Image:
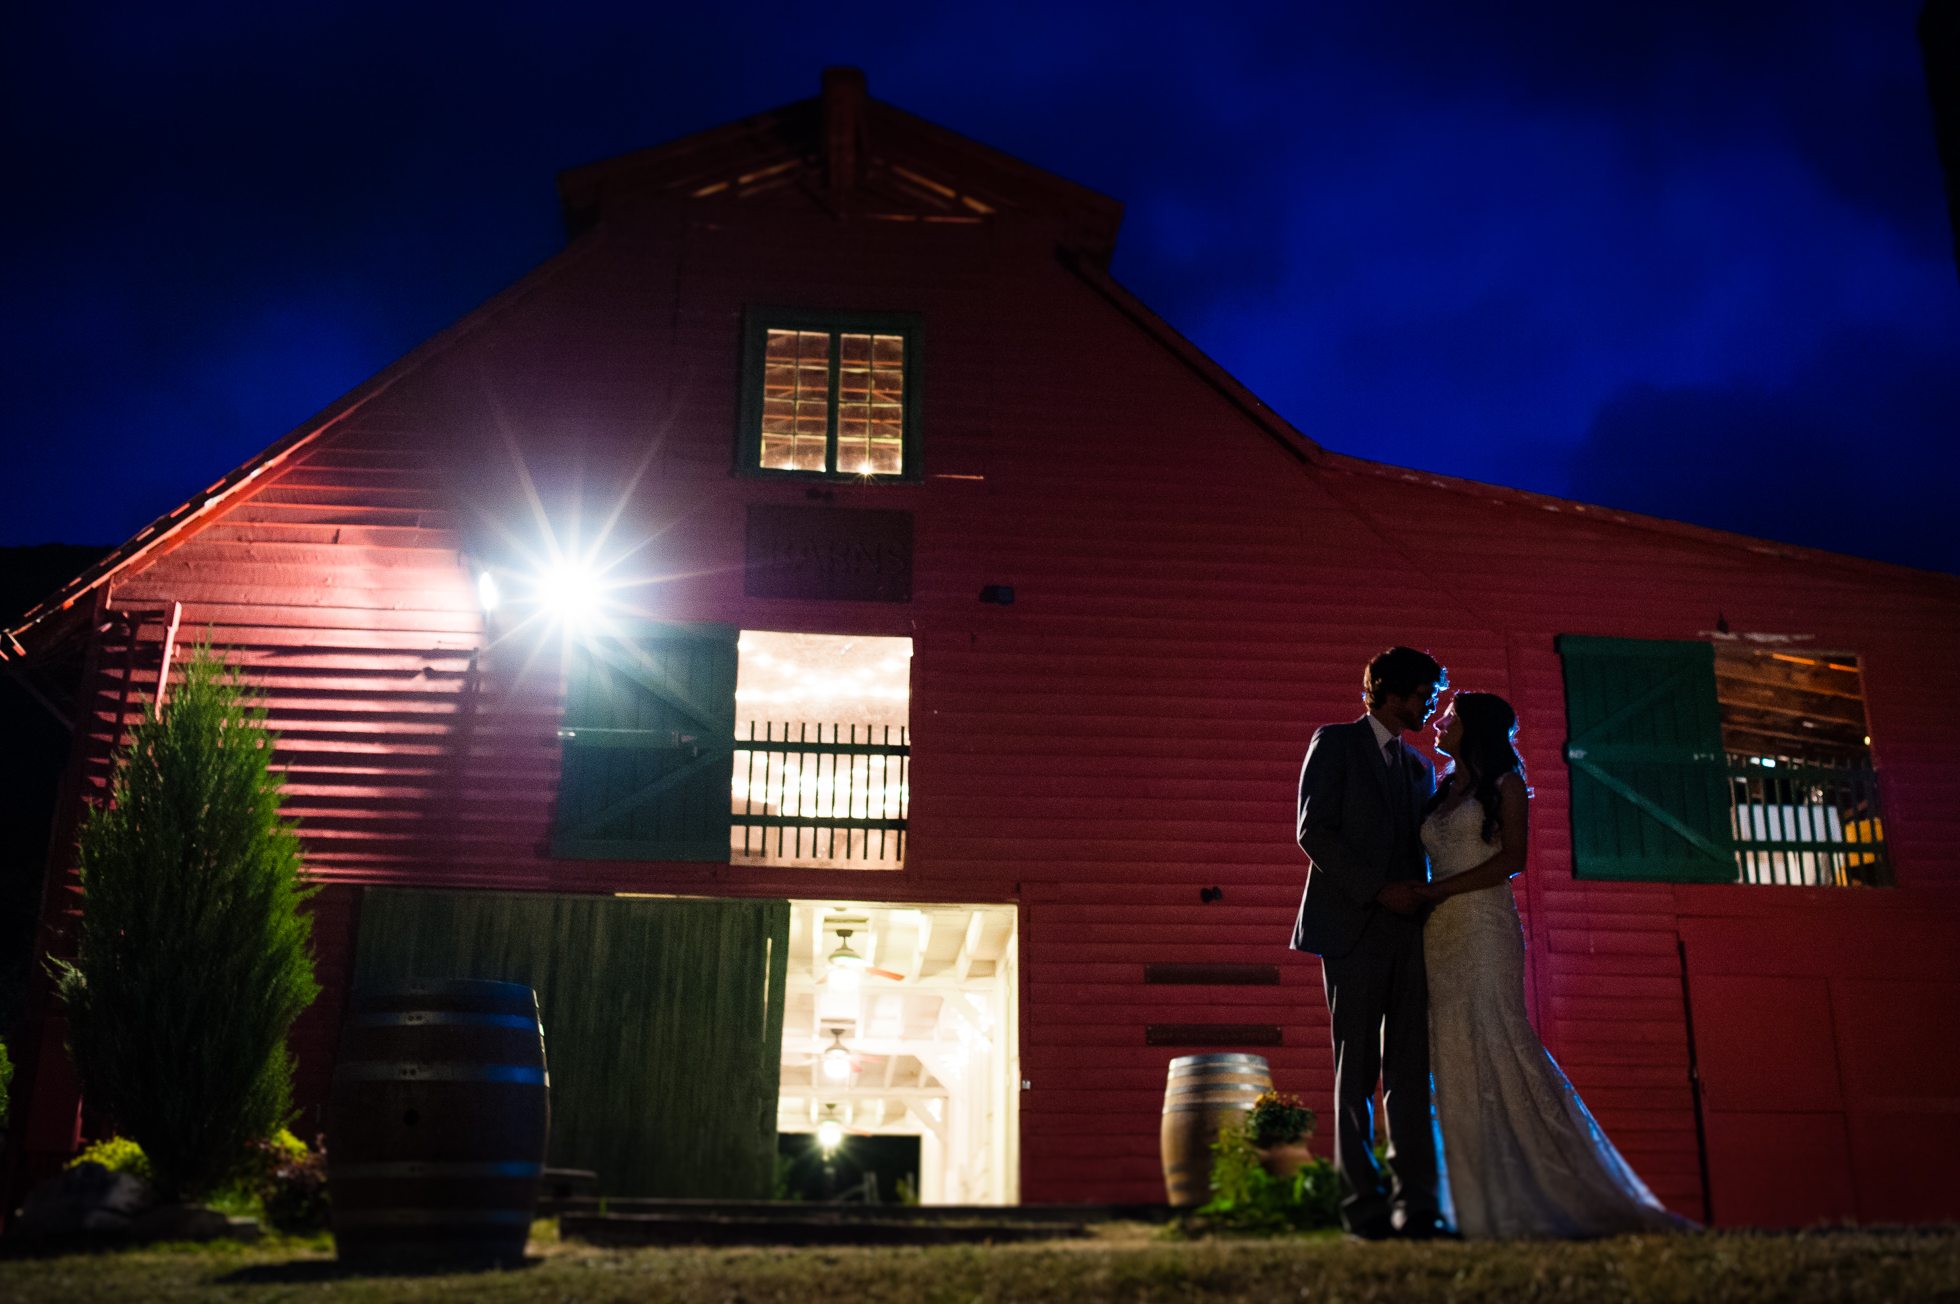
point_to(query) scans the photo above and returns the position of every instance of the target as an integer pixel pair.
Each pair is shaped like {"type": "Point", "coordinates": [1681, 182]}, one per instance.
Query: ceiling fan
{"type": "Point", "coordinates": [837, 1059]}
{"type": "Point", "coordinates": [845, 958]}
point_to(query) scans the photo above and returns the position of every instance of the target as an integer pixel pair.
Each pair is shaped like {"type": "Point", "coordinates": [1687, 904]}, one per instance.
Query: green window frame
{"type": "Point", "coordinates": [825, 409]}
{"type": "Point", "coordinates": [1650, 781]}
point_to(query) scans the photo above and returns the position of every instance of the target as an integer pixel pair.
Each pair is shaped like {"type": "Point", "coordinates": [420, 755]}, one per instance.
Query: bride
{"type": "Point", "coordinates": [1522, 1155]}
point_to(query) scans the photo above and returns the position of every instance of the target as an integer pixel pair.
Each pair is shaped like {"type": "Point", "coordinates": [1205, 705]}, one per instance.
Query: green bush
{"type": "Point", "coordinates": [291, 1184]}
{"type": "Point", "coordinates": [194, 958]}
{"type": "Point", "coordinates": [1246, 1198]}
{"type": "Point", "coordinates": [118, 1155]}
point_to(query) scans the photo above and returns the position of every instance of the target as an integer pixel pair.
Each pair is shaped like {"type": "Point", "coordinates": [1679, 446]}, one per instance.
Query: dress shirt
{"type": "Point", "coordinates": [1383, 738]}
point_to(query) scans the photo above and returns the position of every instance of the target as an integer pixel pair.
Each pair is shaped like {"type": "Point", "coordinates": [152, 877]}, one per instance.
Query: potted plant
{"type": "Point", "coordinates": [1278, 1128]}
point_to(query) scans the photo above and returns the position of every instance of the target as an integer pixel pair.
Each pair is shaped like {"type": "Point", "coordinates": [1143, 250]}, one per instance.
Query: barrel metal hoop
{"type": "Point", "coordinates": [412, 1071]}
{"type": "Point", "coordinates": [432, 1168]}
{"type": "Point", "coordinates": [420, 1018]}
{"type": "Point", "coordinates": [429, 1217]}
{"type": "Point", "coordinates": [482, 987]}
{"type": "Point", "coordinates": [1214, 1084]}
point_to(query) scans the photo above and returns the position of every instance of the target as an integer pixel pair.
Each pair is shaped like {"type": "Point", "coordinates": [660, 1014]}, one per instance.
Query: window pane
{"type": "Point", "coordinates": [796, 400]}
{"type": "Point", "coordinates": [870, 389]}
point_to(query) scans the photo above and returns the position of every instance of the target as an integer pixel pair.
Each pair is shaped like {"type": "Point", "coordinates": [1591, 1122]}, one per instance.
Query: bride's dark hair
{"type": "Point", "coordinates": [1489, 728]}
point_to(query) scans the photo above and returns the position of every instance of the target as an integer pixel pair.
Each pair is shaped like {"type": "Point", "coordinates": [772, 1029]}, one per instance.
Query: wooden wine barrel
{"type": "Point", "coordinates": [436, 1131]}
{"type": "Point", "coordinates": [1202, 1093]}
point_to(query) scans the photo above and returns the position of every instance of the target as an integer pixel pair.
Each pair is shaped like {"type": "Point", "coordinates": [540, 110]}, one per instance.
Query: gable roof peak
{"type": "Point", "coordinates": [845, 153]}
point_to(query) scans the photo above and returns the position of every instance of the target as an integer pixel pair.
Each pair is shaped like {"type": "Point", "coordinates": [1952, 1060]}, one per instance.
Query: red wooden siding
{"type": "Point", "coordinates": [1194, 595]}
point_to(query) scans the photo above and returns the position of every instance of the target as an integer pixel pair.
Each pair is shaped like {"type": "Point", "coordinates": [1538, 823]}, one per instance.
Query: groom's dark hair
{"type": "Point", "coordinates": [1399, 672]}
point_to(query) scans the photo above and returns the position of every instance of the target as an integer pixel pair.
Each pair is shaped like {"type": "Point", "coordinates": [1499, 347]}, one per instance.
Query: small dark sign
{"type": "Point", "coordinates": [837, 553]}
{"type": "Point", "coordinates": [1211, 1034]}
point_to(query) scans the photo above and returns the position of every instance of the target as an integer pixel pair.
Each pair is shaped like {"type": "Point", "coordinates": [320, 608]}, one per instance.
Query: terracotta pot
{"type": "Point", "coordinates": [1284, 1160]}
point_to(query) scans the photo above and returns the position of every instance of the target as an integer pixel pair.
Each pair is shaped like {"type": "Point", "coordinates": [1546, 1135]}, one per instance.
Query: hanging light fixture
{"type": "Point", "coordinates": [837, 1058]}
{"type": "Point", "coordinates": [830, 1132]}
{"type": "Point", "coordinates": [844, 957]}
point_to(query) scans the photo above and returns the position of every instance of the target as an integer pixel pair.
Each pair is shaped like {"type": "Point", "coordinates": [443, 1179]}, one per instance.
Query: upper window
{"type": "Point", "coordinates": [1691, 763]}
{"type": "Point", "coordinates": [661, 763]}
{"type": "Point", "coordinates": [830, 395]}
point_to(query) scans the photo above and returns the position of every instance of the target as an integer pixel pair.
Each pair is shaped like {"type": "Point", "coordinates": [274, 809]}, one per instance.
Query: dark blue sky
{"type": "Point", "coordinates": [1688, 259]}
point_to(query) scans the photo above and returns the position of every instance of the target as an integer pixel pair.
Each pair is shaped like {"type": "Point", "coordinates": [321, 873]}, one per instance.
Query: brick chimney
{"type": "Point", "coordinates": [843, 128]}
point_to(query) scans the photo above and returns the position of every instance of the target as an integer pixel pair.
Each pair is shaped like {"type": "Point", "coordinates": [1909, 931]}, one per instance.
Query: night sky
{"type": "Point", "coordinates": [1687, 259]}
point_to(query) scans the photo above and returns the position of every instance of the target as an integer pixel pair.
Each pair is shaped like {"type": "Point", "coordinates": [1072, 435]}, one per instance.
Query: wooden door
{"type": "Point", "coordinates": [663, 1021]}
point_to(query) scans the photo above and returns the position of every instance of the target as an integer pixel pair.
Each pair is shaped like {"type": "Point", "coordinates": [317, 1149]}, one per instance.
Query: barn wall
{"type": "Point", "coordinates": [340, 590]}
{"type": "Point", "coordinates": [1821, 1017]}
{"type": "Point", "coordinates": [1192, 600]}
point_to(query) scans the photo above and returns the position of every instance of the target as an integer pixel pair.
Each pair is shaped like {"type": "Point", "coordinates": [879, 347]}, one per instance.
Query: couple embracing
{"type": "Point", "coordinates": [1409, 906]}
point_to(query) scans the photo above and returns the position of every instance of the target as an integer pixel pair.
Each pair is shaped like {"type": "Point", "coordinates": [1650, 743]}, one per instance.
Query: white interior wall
{"type": "Point", "coordinates": [936, 1046]}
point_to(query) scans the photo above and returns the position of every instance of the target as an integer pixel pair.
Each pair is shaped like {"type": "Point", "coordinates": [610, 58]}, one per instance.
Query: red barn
{"type": "Point", "coordinates": [612, 634]}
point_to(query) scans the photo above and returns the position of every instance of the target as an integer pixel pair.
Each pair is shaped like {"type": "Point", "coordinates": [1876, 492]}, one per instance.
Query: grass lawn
{"type": "Point", "coordinates": [1124, 1263]}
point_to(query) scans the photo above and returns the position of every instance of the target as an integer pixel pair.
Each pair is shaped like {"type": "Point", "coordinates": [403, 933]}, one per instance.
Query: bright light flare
{"type": "Point", "coordinates": [570, 591]}
{"type": "Point", "coordinates": [486, 591]}
{"type": "Point", "coordinates": [829, 1134]}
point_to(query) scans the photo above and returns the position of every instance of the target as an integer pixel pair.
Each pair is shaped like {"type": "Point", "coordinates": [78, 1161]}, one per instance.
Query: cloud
{"type": "Point", "coordinates": [1857, 455]}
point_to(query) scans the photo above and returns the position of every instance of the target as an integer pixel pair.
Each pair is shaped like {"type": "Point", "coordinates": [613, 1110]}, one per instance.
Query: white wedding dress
{"type": "Point", "coordinates": [1522, 1157]}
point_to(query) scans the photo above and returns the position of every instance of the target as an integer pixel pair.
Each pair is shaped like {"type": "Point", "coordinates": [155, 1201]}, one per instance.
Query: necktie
{"type": "Point", "coordinates": [1398, 774]}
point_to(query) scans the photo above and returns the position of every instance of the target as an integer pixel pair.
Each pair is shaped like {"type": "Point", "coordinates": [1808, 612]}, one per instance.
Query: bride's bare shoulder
{"type": "Point", "coordinates": [1512, 781]}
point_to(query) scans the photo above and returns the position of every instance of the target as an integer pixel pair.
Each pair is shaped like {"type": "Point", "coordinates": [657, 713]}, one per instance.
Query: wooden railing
{"type": "Point", "coordinates": [1807, 825]}
{"type": "Point", "coordinates": [798, 787]}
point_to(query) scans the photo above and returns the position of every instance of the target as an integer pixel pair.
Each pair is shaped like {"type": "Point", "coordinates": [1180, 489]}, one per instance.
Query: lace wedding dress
{"type": "Point", "coordinates": [1522, 1155]}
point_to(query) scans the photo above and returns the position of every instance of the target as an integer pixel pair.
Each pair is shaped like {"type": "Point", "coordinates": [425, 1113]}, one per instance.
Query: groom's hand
{"type": "Point", "coordinates": [1402, 898]}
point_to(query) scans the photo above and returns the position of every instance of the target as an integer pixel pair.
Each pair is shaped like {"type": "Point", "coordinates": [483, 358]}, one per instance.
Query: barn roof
{"type": "Point", "coordinates": [844, 151]}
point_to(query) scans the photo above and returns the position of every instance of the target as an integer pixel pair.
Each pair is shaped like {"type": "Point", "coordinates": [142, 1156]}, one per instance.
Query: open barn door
{"type": "Point", "coordinates": [663, 1021]}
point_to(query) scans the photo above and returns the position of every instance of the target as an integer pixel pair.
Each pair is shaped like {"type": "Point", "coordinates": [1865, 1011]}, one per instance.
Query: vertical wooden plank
{"type": "Point", "coordinates": [663, 1021]}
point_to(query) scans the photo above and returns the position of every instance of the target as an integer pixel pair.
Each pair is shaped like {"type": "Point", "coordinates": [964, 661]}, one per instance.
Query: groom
{"type": "Point", "coordinates": [1361, 797]}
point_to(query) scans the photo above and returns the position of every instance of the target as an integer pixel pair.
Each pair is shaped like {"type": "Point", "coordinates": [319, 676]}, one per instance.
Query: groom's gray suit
{"type": "Point", "coordinates": [1358, 823]}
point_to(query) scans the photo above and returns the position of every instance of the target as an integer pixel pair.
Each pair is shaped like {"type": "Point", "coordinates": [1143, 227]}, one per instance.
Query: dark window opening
{"type": "Point", "coordinates": [1804, 796]}
{"type": "Point", "coordinates": [1697, 763]}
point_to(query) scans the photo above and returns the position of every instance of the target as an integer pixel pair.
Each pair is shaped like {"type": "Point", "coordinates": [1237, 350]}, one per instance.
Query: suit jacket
{"type": "Point", "coordinates": [1356, 836]}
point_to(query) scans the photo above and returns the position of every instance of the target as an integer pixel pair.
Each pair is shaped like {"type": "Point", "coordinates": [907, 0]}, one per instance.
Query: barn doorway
{"type": "Point", "coordinates": [900, 1021]}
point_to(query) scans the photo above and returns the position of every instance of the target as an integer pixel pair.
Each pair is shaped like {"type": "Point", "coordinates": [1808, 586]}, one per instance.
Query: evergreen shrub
{"type": "Point", "coordinates": [194, 955]}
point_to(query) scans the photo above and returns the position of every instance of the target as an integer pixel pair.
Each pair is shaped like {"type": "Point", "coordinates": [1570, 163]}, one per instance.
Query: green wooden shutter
{"type": "Point", "coordinates": [1650, 796]}
{"type": "Point", "coordinates": [663, 1021]}
{"type": "Point", "coordinates": [648, 739]}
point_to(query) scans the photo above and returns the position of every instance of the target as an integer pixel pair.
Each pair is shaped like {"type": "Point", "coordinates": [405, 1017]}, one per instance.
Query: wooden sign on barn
{"type": "Point", "coordinates": [825, 535]}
